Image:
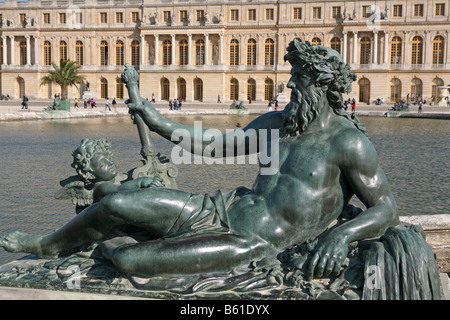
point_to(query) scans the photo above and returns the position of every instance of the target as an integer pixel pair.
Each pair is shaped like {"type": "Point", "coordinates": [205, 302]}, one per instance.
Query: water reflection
{"type": "Point", "coordinates": [36, 155]}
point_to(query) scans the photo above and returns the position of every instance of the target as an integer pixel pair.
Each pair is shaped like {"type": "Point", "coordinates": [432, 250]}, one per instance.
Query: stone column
{"type": "Point", "coordinates": [173, 49]}
{"type": "Point", "coordinates": [207, 49]}
{"type": "Point", "coordinates": [36, 50]}
{"type": "Point", "coordinates": [355, 46]}
{"type": "Point", "coordinates": [143, 50]}
{"type": "Point", "coordinates": [5, 48]}
{"type": "Point", "coordinates": [221, 49]}
{"type": "Point", "coordinates": [28, 50]}
{"type": "Point", "coordinates": [375, 47]}
{"type": "Point", "coordinates": [156, 49]}
{"type": "Point", "coordinates": [13, 54]}
{"type": "Point", "coordinates": [189, 49]}
{"type": "Point", "coordinates": [344, 47]}
{"type": "Point", "coordinates": [386, 47]}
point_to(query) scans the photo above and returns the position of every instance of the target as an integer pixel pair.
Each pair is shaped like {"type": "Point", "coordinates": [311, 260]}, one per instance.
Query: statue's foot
{"type": "Point", "coordinates": [19, 242]}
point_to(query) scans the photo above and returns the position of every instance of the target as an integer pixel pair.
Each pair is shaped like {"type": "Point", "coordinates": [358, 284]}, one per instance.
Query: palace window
{"type": "Point", "coordinates": [251, 52]}
{"type": "Point", "coordinates": [120, 56]}
{"type": "Point", "coordinates": [336, 12]}
{"type": "Point", "coordinates": [62, 18]}
{"type": "Point", "coordinates": [165, 86]}
{"type": "Point", "coordinates": [418, 10]}
{"type": "Point", "coordinates": [183, 15]}
{"type": "Point", "coordinates": [167, 52]}
{"type": "Point", "coordinates": [119, 17]}
{"type": "Point", "coordinates": [396, 90]}
{"type": "Point", "coordinates": [316, 41]}
{"type": "Point", "coordinates": [416, 88]}
{"type": "Point", "coordinates": [396, 50]}
{"type": "Point", "coordinates": [22, 17]}
{"type": "Point", "coordinates": [103, 53]}
{"type": "Point", "coordinates": [47, 53]}
{"type": "Point", "coordinates": [417, 50]}
{"type": "Point", "coordinates": [79, 52]}
{"type": "Point", "coordinates": [297, 13]}
{"type": "Point", "coordinates": [23, 52]}
{"type": "Point", "coordinates": [183, 46]}
{"type": "Point", "coordinates": [134, 17]}
{"type": "Point", "coordinates": [439, 9]}
{"type": "Point", "coordinates": [103, 88]}
{"type": "Point", "coordinates": [234, 89]}
{"type": "Point", "coordinates": [437, 82]}
{"type": "Point", "coordinates": [166, 16]}
{"type": "Point", "coordinates": [1, 53]}
{"type": "Point", "coordinates": [251, 89]}
{"type": "Point", "coordinates": [234, 15]}
{"type": "Point", "coordinates": [234, 52]}
{"type": "Point", "coordinates": [268, 90]}
{"type": "Point", "coordinates": [438, 50]}
{"type": "Point", "coordinates": [317, 12]}
{"type": "Point", "coordinates": [251, 14]}
{"type": "Point", "coordinates": [397, 11]}
{"type": "Point", "coordinates": [103, 17]}
{"type": "Point", "coordinates": [63, 51]}
{"type": "Point", "coordinates": [79, 17]}
{"type": "Point", "coordinates": [366, 44]}
{"type": "Point", "coordinates": [181, 88]}
{"type": "Point", "coordinates": [198, 89]}
{"type": "Point", "coordinates": [119, 88]}
{"type": "Point", "coordinates": [200, 52]}
{"type": "Point", "coordinates": [269, 14]}
{"type": "Point", "coordinates": [269, 52]}
{"type": "Point", "coordinates": [135, 53]}
{"type": "Point", "coordinates": [46, 18]}
{"type": "Point", "coordinates": [365, 11]}
{"type": "Point", "coordinates": [336, 44]}
{"type": "Point", "coordinates": [200, 15]}
{"type": "Point", "coordinates": [364, 90]}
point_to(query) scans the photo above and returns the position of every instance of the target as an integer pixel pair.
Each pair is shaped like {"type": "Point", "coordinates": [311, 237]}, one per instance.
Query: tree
{"type": "Point", "coordinates": [65, 75]}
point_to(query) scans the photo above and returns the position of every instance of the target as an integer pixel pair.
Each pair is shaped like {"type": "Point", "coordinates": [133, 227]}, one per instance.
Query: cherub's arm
{"type": "Point", "coordinates": [106, 188]}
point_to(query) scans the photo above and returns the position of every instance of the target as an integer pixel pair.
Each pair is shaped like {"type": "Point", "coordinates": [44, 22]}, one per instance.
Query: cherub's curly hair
{"type": "Point", "coordinates": [83, 154]}
{"type": "Point", "coordinates": [331, 73]}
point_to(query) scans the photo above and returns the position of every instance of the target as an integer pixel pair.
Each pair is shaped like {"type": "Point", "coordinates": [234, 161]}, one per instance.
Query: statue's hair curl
{"type": "Point", "coordinates": [331, 73]}
{"type": "Point", "coordinates": [83, 154]}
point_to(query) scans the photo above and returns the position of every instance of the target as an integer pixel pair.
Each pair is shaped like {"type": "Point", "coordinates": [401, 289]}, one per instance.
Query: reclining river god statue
{"type": "Point", "coordinates": [296, 218]}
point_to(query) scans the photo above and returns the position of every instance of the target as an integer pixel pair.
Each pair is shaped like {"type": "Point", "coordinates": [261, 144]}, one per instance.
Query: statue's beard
{"type": "Point", "coordinates": [301, 110]}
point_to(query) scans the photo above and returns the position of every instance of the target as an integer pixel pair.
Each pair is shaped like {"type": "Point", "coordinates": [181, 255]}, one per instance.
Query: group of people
{"type": "Point", "coordinates": [270, 105]}
{"type": "Point", "coordinates": [379, 101]}
{"type": "Point", "coordinates": [350, 102]}
{"type": "Point", "coordinates": [4, 97]}
{"type": "Point", "coordinates": [175, 104]}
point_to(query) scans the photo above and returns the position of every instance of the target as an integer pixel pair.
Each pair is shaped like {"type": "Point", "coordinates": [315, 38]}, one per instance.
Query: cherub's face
{"type": "Point", "coordinates": [103, 167]}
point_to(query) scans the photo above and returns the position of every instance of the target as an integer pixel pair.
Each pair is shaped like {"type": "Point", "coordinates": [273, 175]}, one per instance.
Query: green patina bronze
{"type": "Point", "coordinates": [295, 225]}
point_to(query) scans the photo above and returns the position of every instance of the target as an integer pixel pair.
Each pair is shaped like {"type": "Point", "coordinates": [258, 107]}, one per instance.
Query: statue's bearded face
{"type": "Point", "coordinates": [304, 106]}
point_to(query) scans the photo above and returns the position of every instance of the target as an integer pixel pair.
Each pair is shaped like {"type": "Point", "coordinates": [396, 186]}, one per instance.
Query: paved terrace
{"type": "Point", "coordinates": [12, 110]}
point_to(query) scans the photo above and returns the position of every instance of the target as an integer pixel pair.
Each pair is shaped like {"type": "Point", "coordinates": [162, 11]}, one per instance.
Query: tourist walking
{"type": "Point", "coordinates": [170, 104]}
{"type": "Point", "coordinates": [218, 99]}
{"type": "Point", "coordinates": [107, 105]}
{"type": "Point", "coordinates": [353, 105]}
{"type": "Point", "coordinates": [420, 107]}
{"type": "Point", "coordinates": [153, 98]}
{"type": "Point", "coordinates": [85, 103]}
{"type": "Point", "coordinates": [114, 103]}
{"type": "Point", "coordinates": [175, 104]}
{"type": "Point", "coordinates": [25, 102]}
{"type": "Point", "coordinates": [179, 103]}
{"type": "Point", "coordinates": [93, 103]}
{"type": "Point", "coordinates": [276, 105]}
{"type": "Point", "coordinates": [76, 103]}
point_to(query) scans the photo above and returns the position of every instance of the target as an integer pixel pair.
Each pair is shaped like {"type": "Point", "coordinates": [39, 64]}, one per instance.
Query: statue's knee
{"type": "Point", "coordinates": [113, 203]}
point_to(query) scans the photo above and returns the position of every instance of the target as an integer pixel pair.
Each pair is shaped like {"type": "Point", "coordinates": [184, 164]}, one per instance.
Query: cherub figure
{"type": "Point", "coordinates": [97, 175]}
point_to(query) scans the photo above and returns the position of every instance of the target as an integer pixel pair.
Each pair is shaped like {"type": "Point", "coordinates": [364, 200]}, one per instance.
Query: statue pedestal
{"type": "Point", "coordinates": [281, 97]}
{"type": "Point", "coordinates": [64, 105]}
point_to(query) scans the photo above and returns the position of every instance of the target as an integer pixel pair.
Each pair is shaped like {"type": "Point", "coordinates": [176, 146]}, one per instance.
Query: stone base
{"type": "Point", "coordinates": [281, 97]}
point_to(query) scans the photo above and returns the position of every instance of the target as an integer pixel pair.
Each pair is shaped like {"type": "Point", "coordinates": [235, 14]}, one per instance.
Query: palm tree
{"type": "Point", "coordinates": [65, 75]}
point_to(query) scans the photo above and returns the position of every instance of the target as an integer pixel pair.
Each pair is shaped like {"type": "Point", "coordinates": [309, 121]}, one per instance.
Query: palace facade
{"type": "Point", "coordinates": [201, 49]}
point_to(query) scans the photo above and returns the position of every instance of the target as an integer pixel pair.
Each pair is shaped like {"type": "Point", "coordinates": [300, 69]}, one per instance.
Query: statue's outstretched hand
{"type": "Point", "coordinates": [150, 182]}
{"type": "Point", "coordinates": [327, 258]}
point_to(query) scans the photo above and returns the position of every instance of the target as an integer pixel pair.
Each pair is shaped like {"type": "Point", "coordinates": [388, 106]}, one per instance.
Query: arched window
{"type": "Point", "coordinates": [251, 89]}
{"type": "Point", "coordinates": [417, 50]}
{"type": "Point", "coordinates": [364, 90]}
{"type": "Point", "coordinates": [135, 53]}
{"type": "Point", "coordinates": [165, 92]}
{"type": "Point", "coordinates": [437, 82]}
{"type": "Point", "coordinates": [416, 88]}
{"type": "Point", "coordinates": [120, 59]}
{"type": "Point", "coordinates": [234, 89]}
{"type": "Point", "coordinates": [234, 52]}
{"type": "Point", "coordinates": [63, 51]}
{"type": "Point", "coordinates": [200, 52]}
{"type": "Point", "coordinates": [47, 53]}
{"type": "Point", "coordinates": [316, 41]}
{"type": "Point", "coordinates": [366, 44]}
{"type": "Point", "coordinates": [438, 50]}
{"type": "Point", "coordinates": [1, 53]}
{"type": "Point", "coordinates": [268, 89]}
{"type": "Point", "coordinates": [183, 52]}
{"type": "Point", "coordinates": [269, 52]}
{"type": "Point", "coordinates": [396, 90]}
{"type": "Point", "coordinates": [167, 53]}
{"type": "Point", "coordinates": [79, 54]}
{"type": "Point", "coordinates": [198, 89]}
{"type": "Point", "coordinates": [103, 88]}
{"type": "Point", "coordinates": [119, 88]}
{"type": "Point", "coordinates": [182, 88]}
{"type": "Point", "coordinates": [336, 44]}
{"type": "Point", "coordinates": [251, 52]}
{"type": "Point", "coordinates": [23, 52]}
{"type": "Point", "coordinates": [103, 53]}
{"type": "Point", "coordinates": [21, 84]}
{"type": "Point", "coordinates": [396, 50]}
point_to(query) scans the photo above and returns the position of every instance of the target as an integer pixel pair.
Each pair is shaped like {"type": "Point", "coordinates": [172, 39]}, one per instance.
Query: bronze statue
{"type": "Point", "coordinates": [324, 159]}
